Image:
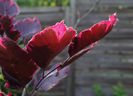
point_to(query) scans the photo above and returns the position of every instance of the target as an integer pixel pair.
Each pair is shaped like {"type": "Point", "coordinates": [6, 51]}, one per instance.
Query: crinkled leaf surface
{"type": "Point", "coordinates": [45, 45]}
{"type": "Point", "coordinates": [8, 8]}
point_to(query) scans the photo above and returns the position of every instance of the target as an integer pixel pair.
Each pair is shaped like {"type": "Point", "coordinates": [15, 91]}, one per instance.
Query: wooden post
{"type": "Point", "coordinates": [70, 21]}
{"type": "Point", "coordinates": [71, 13]}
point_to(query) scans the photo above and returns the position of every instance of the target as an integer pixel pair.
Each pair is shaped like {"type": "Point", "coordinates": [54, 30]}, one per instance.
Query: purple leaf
{"type": "Point", "coordinates": [28, 26]}
{"type": "Point", "coordinates": [52, 79]}
{"type": "Point", "coordinates": [9, 8]}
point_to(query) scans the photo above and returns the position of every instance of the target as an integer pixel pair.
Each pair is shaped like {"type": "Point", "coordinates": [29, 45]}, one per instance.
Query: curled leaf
{"type": "Point", "coordinates": [45, 45]}
{"type": "Point", "coordinates": [92, 34]}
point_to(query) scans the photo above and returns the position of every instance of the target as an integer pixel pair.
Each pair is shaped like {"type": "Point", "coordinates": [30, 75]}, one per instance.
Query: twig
{"type": "Point", "coordinates": [78, 54]}
{"type": "Point", "coordinates": [86, 14]}
{"type": "Point", "coordinates": [69, 59]}
{"type": "Point", "coordinates": [64, 64]}
{"type": "Point", "coordinates": [44, 76]}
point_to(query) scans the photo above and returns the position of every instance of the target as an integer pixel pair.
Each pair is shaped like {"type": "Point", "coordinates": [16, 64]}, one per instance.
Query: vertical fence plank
{"type": "Point", "coordinates": [70, 18]}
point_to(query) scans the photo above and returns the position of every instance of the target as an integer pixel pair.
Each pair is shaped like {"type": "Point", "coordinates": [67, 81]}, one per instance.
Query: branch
{"type": "Point", "coordinates": [87, 13]}
{"type": "Point", "coordinates": [64, 64]}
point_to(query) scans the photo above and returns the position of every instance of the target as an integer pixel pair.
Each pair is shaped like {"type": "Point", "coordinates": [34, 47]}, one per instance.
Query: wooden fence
{"type": "Point", "coordinates": [110, 62]}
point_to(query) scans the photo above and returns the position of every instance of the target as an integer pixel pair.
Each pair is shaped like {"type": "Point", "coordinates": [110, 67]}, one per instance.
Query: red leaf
{"type": "Point", "coordinates": [1, 94]}
{"type": "Point", "coordinates": [91, 35]}
{"type": "Point", "coordinates": [9, 94]}
{"type": "Point", "coordinates": [16, 62]}
{"type": "Point", "coordinates": [7, 85]}
{"type": "Point", "coordinates": [7, 22]}
{"type": "Point", "coordinates": [44, 46]}
{"type": "Point", "coordinates": [7, 26]}
{"type": "Point", "coordinates": [8, 8]}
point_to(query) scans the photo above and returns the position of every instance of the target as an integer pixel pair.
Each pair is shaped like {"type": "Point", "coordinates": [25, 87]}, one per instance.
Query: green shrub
{"type": "Point", "coordinates": [98, 90]}
{"type": "Point", "coordinates": [117, 90]}
{"type": "Point", "coordinates": [42, 3]}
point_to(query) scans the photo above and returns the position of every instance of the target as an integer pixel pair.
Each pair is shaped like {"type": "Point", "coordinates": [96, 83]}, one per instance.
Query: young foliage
{"type": "Point", "coordinates": [19, 65]}
{"type": "Point", "coordinates": [13, 58]}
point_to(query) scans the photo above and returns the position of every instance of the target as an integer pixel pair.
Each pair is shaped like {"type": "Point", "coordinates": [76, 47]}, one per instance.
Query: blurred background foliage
{"type": "Point", "coordinates": [42, 3]}
{"type": "Point", "coordinates": [117, 90]}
